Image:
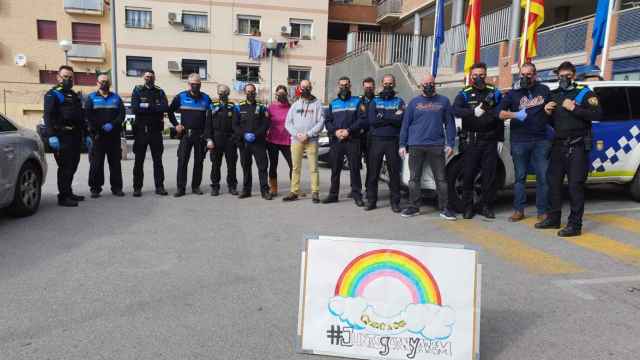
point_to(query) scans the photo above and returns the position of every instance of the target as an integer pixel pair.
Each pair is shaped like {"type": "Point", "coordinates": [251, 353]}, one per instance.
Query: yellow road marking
{"type": "Point", "coordinates": [625, 253]}
{"type": "Point", "coordinates": [512, 250]}
{"type": "Point", "coordinates": [622, 222]}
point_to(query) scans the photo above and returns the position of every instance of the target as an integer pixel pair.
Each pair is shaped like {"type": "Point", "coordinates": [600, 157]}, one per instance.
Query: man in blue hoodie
{"type": "Point", "coordinates": [428, 134]}
{"type": "Point", "coordinates": [344, 121]}
{"type": "Point", "coordinates": [530, 143]}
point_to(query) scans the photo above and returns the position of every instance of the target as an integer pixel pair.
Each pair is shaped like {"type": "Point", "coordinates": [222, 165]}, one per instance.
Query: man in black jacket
{"type": "Point", "coordinates": [482, 131]}
{"type": "Point", "coordinates": [148, 104]}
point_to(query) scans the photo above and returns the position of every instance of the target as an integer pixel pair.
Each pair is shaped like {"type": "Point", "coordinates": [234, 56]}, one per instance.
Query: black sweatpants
{"type": "Point", "coordinates": [351, 149]}
{"type": "Point", "coordinates": [144, 138]}
{"type": "Point", "coordinates": [572, 161]}
{"type": "Point", "coordinates": [108, 147]}
{"type": "Point", "coordinates": [273, 151]}
{"type": "Point", "coordinates": [379, 149]}
{"type": "Point", "coordinates": [258, 151]}
{"type": "Point", "coordinates": [224, 146]}
{"type": "Point", "coordinates": [481, 155]}
{"type": "Point", "coordinates": [192, 139]}
{"type": "Point", "coordinates": [67, 158]}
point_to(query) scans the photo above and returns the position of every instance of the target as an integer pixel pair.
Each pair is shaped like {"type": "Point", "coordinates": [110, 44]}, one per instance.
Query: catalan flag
{"type": "Point", "coordinates": [534, 17]}
{"type": "Point", "coordinates": [473, 38]}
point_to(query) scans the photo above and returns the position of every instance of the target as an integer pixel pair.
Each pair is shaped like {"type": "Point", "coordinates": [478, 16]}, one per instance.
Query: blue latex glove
{"type": "Point", "coordinates": [249, 137]}
{"type": "Point", "coordinates": [88, 143]}
{"type": "Point", "coordinates": [107, 127]}
{"type": "Point", "coordinates": [54, 143]}
{"type": "Point", "coordinates": [521, 115]}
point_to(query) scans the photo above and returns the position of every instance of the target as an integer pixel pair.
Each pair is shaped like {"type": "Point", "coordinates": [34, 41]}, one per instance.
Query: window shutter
{"type": "Point", "coordinates": [47, 30]}
{"type": "Point", "coordinates": [83, 33]}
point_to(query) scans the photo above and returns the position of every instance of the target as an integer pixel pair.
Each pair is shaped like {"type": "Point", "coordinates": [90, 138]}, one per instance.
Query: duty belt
{"type": "Point", "coordinates": [571, 143]}
{"type": "Point", "coordinates": [473, 136]}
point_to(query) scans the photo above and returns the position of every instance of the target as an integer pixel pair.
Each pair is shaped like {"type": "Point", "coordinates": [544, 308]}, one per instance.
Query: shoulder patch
{"type": "Point", "coordinates": [489, 86]}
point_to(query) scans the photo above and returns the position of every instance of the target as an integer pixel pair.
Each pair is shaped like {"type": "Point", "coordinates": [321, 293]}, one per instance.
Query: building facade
{"type": "Point", "coordinates": [30, 53]}
{"type": "Point", "coordinates": [223, 41]}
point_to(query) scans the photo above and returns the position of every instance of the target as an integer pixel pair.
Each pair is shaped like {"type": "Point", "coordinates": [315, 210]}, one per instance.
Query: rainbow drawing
{"type": "Point", "coordinates": [388, 263]}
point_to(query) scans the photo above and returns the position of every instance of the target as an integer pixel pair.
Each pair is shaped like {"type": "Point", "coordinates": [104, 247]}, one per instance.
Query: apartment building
{"type": "Point", "coordinates": [30, 51]}
{"type": "Point", "coordinates": [223, 41]}
{"type": "Point", "coordinates": [348, 16]}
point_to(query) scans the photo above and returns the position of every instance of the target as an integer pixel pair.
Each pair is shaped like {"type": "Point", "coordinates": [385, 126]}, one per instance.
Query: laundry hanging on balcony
{"type": "Point", "coordinates": [258, 49]}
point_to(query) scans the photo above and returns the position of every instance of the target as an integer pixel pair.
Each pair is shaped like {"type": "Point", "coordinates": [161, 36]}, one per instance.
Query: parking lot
{"type": "Point", "coordinates": [218, 278]}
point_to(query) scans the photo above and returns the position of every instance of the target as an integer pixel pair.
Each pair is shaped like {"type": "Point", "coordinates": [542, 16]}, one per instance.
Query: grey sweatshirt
{"type": "Point", "coordinates": [305, 117]}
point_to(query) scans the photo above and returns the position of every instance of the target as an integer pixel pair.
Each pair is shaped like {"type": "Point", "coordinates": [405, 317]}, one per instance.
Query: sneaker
{"type": "Point", "coordinates": [95, 194]}
{"type": "Point", "coordinates": [569, 231]}
{"type": "Point", "coordinates": [448, 215]}
{"type": "Point", "coordinates": [160, 191]}
{"type": "Point", "coordinates": [359, 202]}
{"type": "Point", "coordinates": [290, 197]}
{"type": "Point", "coordinates": [138, 192]}
{"type": "Point", "coordinates": [410, 211]}
{"type": "Point", "coordinates": [267, 196]}
{"type": "Point", "coordinates": [315, 197]}
{"type": "Point", "coordinates": [118, 193]}
{"type": "Point", "coordinates": [488, 213]}
{"type": "Point", "coordinates": [548, 223]}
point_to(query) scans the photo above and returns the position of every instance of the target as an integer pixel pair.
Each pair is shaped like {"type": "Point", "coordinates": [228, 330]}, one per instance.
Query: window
{"type": "Point", "coordinates": [301, 29]}
{"type": "Point", "coordinates": [47, 30]}
{"type": "Point", "coordinates": [6, 126]}
{"type": "Point", "coordinates": [249, 25]}
{"type": "Point", "coordinates": [83, 33]}
{"type": "Point", "coordinates": [79, 78]}
{"type": "Point", "coordinates": [297, 74]}
{"type": "Point", "coordinates": [614, 102]}
{"type": "Point", "coordinates": [138, 18]}
{"type": "Point", "coordinates": [248, 73]}
{"type": "Point", "coordinates": [634, 93]}
{"type": "Point", "coordinates": [195, 22]}
{"type": "Point", "coordinates": [337, 31]}
{"type": "Point", "coordinates": [137, 65]}
{"type": "Point", "coordinates": [194, 66]}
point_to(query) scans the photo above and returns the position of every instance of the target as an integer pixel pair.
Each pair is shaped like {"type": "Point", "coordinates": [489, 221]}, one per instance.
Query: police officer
{"type": "Point", "coordinates": [193, 106]}
{"type": "Point", "coordinates": [105, 113]}
{"type": "Point", "coordinates": [384, 121]}
{"type": "Point", "coordinates": [368, 93]}
{"type": "Point", "coordinates": [482, 134]}
{"type": "Point", "coordinates": [572, 110]}
{"type": "Point", "coordinates": [220, 140]}
{"type": "Point", "coordinates": [66, 130]}
{"type": "Point", "coordinates": [344, 120]}
{"type": "Point", "coordinates": [148, 104]}
{"type": "Point", "coordinates": [251, 131]}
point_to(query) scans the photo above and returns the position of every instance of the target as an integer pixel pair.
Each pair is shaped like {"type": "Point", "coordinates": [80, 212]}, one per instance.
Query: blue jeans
{"type": "Point", "coordinates": [536, 154]}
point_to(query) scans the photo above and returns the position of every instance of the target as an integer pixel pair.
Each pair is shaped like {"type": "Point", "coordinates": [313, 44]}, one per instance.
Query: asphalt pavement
{"type": "Point", "coordinates": [217, 278]}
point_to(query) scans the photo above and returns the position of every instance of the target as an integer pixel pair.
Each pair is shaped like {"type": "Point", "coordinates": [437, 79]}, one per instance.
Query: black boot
{"type": "Point", "coordinates": [118, 193]}
{"type": "Point", "coordinates": [233, 191]}
{"type": "Point", "coordinates": [67, 202]}
{"type": "Point", "coordinates": [160, 191]}
{"type": "Point", "coordinates": [330, 199]}
{"type": "Point", "coordinates": [138, 192]}
{"type": "Point", "coordinates": [197, 191]}
{"type": "Point", "coordinates": [468, 213]}
{"type": "Point", "coordinates": [95, 194]}
{"type": "Point", "coordinates": [267, 195]}
{"type": "Point", "coordinates": [75, 197]}
{"type": "Point", "coordinates": [370, 206]}
{"type": "Point", "coordinates": [215, 192]}
{"type": "Point", "coordinates": [548, 223]}
{"type": "Point", "coordinates": [396, 208]}
{"type": "Point", "coordinates": [179, 193]}
{"type": "Point", "coordinates": [570, 230]}
{"type": "Point", "coordinates": [244, 195]}
{"type": "Point", "coordinates": [487, 212]}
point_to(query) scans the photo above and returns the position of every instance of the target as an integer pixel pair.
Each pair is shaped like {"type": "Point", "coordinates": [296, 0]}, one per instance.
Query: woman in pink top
{"type": "Point", "coordinates": [278, 138]}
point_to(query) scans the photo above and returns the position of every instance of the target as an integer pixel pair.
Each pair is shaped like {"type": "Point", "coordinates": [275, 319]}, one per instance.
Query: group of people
{"type": "Point", "coordinates": [550, 130]}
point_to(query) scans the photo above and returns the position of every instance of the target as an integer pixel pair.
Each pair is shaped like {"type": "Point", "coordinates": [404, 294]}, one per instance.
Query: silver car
{"type": "Point", "coordinates": [23, 168]}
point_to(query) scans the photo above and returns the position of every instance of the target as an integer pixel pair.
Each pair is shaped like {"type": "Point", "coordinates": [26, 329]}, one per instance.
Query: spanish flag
{"type": "Point", "coordinates": [473, 38]}
{"type": "Point", "coordinates": [534, 17]}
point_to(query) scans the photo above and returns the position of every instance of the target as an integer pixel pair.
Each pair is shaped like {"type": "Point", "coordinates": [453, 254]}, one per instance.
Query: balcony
{"type": "Point", "coordinates": [355, 12]}
{"type": "Point", "coordinates": [389, 11]}
{"type": "Point", "coordinates": [85, 7]}
{"type": "Point", "coordinates": [92, 53]}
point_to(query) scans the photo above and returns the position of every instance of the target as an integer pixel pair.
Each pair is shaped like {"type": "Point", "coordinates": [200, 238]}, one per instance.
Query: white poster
{"type": "Point", "coordinates": [377, 299]}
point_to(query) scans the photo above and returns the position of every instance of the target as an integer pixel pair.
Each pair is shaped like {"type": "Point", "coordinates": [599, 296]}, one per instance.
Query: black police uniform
{"type": "Point", "coordinates": [365, 135]}
{"type": "Point", "coordinates": [101, 110]}
{"type": "Point", "coordinates": [193, 115]}
{"type": "Point", "coordinates": [219, 130]}
{"type": "Point", "coordinates": [384, 117]}
{"type": "Point", "coordinates": [570, 151]}
{"type": "Point", "coordinates": [479, 142]}
{"type": "Point", "coordinates": [252, 118]}
{"type": "Point", "coordinates": [64, 118]}
{"type": "Point", "coordinates": [148, 104]}
{"type": "Point", "coordinates": [346, 114]}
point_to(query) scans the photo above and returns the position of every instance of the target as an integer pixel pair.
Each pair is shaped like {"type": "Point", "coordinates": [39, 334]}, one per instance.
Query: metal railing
{"type": "Point", "coordinates": [494, 27]}
{"type": "Point", "coordinates": [389, 7]}
{"type": "Point", "coordinates": [389, 48]}
{"type": "Point", "coordinates": [628, 25]}
{"type": "Point", "coordinates": [489, 55]}
{"type": "Point", "coordinates": [89, 51]}
{"type": "Point", "coordinates": [84, 5]}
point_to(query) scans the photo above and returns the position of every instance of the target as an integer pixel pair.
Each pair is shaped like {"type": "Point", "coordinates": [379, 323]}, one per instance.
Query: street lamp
{"type": "Point", "coordinates": [271, 46]}
{"type": "Point", "coordinates": [65, 45]}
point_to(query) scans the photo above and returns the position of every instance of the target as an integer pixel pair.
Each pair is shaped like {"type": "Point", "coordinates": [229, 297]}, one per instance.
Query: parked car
{"type": "Point", "coordinates": [614, 158]}
{"type": "Point", "coordinates": [23, 168]}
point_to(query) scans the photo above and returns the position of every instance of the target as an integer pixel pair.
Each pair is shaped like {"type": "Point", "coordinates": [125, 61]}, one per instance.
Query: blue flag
{"type": "Point", "coordinates": [438, 36]}
{"type": "Point", "coordinates": [599, 29]}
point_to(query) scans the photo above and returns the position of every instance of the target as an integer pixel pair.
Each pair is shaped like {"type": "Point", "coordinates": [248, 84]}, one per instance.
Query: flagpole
{"type": "Point", "coordinates": [435, 33]}
{"type": "Point", "coordinates": [605, 50]}
{"type": "Point", "coordinates": [525, 31]}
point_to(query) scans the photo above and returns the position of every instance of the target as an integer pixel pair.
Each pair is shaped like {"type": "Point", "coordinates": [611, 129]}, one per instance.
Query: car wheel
{"type": "Point", "coordinates": [634, 187]}
{"type": "Point", "coordinates": [455, 174]}
{"type": "Point", "coordinates": [28, 191]}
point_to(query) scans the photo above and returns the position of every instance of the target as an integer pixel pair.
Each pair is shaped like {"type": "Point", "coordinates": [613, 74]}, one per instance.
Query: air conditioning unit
{"type": "Point", "coordinates": [286, 29]}
{"type": "Point", "coordinates": [174, 66]}
{"type": "Point", "coordinates": [174, 18]}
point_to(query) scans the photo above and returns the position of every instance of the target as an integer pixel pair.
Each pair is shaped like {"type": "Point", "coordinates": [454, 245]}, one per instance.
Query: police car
{"type": "Point", "coordinates": [614, 158]}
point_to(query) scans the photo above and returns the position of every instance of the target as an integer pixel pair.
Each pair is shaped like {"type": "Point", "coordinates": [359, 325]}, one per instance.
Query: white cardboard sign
{"type": "Point", "coordinates": [379, 299]}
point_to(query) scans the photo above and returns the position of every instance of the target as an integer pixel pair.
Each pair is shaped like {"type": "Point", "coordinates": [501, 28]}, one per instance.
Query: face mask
{"type": "Point", "coordinates": [368, 93]}
{"type": "Point", "coordinates": [105, 86]}
{"type": "Point", "coordinates": [387, 92]}
{"type": "Point", "coordinates": [224, 97]}
{"type": "Point", "coordinates": [195, 88]}
{"type": "Point", "coordinates": [67, 84]}
{"type": "Point", "coordinates": [344, 93]}
{"type": "Point", "coordinates": [565, 83]}
{"type": "Point", "coordinates": [251, 96]}
{"type": "Point", "coordinates": [282, 98]}
{"type": "Point", "coordinates": [149, 83]}
{"type": "Point", "coordinates": [305, 93]}
{"type": "Point", "coordinates": [479, 82]}
{"type": "Point", "coordinates": [525, 82]}
{"type": "Point", "coordinates": [428, 89]}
